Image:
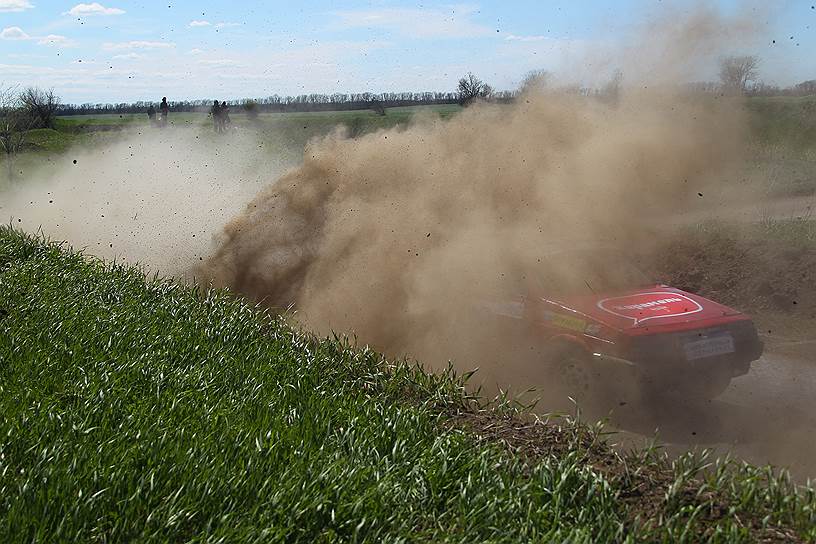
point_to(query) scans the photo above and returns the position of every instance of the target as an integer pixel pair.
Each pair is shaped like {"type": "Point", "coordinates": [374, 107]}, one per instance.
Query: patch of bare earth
{"type": "Point", "coordinates": [773, 279]}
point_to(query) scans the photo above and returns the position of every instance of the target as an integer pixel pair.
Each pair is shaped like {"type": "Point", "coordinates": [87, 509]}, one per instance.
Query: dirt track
{"type": "Point", "coordinates": [726, 207]}
{"type": "Point", "coordinates": [766, 416]}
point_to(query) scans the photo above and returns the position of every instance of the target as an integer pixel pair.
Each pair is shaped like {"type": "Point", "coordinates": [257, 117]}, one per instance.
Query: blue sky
{"type": "Point", "coordinates": [119, 50]}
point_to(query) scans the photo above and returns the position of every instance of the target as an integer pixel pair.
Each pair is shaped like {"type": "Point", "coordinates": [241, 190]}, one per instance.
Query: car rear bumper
{"type": "Point", "coordinates": [665, 371]}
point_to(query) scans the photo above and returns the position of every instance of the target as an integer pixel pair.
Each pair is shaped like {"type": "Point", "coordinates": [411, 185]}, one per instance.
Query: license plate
{"type": "Point", "coordinates": [709, 347]}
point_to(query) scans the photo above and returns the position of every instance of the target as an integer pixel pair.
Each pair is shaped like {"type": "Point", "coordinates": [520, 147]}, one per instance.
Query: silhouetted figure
{"type": "Point", "coordinates": [151, 114]}
{"type": "Point", "coordinates": [225, 118]}
{"type": "Point", "coordinates": [165, 109]}
{"type": "Point", "coordinates": [215, 111]}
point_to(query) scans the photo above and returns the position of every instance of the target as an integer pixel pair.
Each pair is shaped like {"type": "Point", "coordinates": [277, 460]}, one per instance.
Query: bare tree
{"type": "Point", "coordinates": [377, 107]}
{"type": "Point", "coordinates": [737, 71]}
{"type": "Point", "coordinates": [471, 87]}
{"type": "Point", "coordinates": [41, 106]}
{"type": "Point", "coordinates": [535, 80]}
{"type": "Point", "coordinates": [251, 108]}
{"type": "Point", "coordinates": [611, 91]}
{"type": "Point", "coordinates": [14, 122]}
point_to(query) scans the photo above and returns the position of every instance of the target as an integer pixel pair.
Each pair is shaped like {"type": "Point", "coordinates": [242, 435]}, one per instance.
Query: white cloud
{"type": "Point", "coordinates": [27, 56]}
{"type": "Point", "coordinates": [23, 70]}
{"type": "Point", "coordinates": [222, 63]}
{"type": "Point", "coordinates": [316, 67]}
{"type": "Point", "coordinates": [453, 22]}
{"type": "Point", "coordinates": [207, 23]}
{"type": "Point", "coordinates": [136, 45]}
{"type": "Point", "coordinates": [93, 9]}
{"type": "Point", "coordinates": [14, 33]}
{"type": "Point", "coordinates": [129, 56]}
{"type": "Point", "coordinates": [514, 38]}
{"type": "Point", "coordinates": [55, 40]}
{"type": "Point", "coordinates": [196, 51]}
{"type": "Point", "coordinates": [15, 5]}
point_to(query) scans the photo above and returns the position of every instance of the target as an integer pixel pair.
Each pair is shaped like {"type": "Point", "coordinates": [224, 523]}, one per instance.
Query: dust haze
{"type": "Point", "coordinates": [153, 197]}
{"type": "Point", "coordinates": [404, 237]}
{"type": "Point", "coordinates": [408, 238]}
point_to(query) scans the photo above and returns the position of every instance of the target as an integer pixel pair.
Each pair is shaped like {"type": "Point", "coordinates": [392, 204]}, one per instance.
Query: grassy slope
{"type": "Point", "coordinates": [150, 411]}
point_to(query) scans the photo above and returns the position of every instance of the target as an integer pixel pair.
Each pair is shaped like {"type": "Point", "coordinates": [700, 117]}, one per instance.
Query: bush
{"type": "Point", "coordinates": [252, 110]}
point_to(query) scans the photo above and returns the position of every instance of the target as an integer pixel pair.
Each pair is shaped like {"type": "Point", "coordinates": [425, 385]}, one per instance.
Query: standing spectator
{"type": "Point", "coordinates": [225, 118]}
{"type": "Point", "coordinates": [165, 109]}
{"type": "Point", "coordinates": [151, 114]}
{"type": "Point", "coordinates": [215, 111]}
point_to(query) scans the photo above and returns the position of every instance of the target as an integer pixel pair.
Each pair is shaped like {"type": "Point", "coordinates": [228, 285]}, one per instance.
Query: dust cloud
{"type": "Point", "coordinates": [154, 197]}
{"type": "Point", "coordinates": [408, 237]}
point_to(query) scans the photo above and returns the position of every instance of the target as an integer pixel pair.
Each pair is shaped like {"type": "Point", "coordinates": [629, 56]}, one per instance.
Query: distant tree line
{"type": "Point", "coordinates": [758, 88]}
{"type": "Point", "coordinates": [761, 88]}
{"type": "Point", "coordinates": [738, 75]}
{"type": "Point", "coordinates": [281, 104]}
{"type": "Point", "coordinates": [285, 104]}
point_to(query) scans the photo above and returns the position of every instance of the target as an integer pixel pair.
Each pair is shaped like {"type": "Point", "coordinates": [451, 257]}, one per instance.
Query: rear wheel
{"type": "Point", "coordinates": [595, 382]}
{"type": "Point", "coordinates": [573, 368]}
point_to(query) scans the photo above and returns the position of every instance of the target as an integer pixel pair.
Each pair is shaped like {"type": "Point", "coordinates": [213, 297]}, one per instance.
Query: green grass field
{"type": "Point", "coordinates": [781, 142]}
{"type": "Point", "coordinates": [89, 123]}
{"type": "Point", "coordinates": [784, 120]}
{"type": "Point", "coordinates": [282, 132]}
{"type": "Point", "coordinates": [142, 410]}
{"type": "Point", "coordinates": [783, 145]}
{"type": "Point", "coordinates": [776, 122]}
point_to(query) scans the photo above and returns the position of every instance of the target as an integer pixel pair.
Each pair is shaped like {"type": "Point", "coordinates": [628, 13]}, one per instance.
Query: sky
{"type": "Point", "coordinates": [123, 51]}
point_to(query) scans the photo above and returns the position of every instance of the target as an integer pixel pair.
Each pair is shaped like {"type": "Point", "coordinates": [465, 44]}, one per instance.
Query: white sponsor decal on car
{"type": "Point", "coordinates": [645, 305]}
{"type": "Point", "coordinates": [642, 307]}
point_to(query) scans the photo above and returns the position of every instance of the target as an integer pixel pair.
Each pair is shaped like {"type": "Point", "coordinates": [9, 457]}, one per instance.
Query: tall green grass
{"type": "Point", "coordinates": [144, 410]}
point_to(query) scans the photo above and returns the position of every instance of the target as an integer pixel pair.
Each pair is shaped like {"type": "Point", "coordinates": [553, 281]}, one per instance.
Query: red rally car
{"type": "Point", "coordinates": [611, 316]}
